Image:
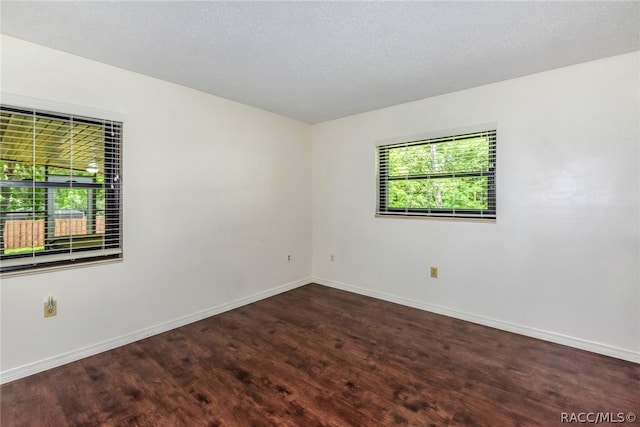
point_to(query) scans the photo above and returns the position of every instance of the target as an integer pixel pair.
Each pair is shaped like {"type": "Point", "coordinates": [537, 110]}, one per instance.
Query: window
{"type": "Point", "coordinates": [60, 199]}
{"type": "Point", "coordinates": [442, 177]}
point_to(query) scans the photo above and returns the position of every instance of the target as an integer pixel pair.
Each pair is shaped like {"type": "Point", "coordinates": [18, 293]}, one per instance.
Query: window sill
{"type": "Point", "coordinates": [437, 218]}
{"type": "Point", "coordinates": [40, 270]}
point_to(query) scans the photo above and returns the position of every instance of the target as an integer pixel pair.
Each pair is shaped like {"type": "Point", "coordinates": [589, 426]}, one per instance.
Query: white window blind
{"type": "Point", "coordinates": [60, 189]}
{"type": "Point", "coordinates": [452, 176]}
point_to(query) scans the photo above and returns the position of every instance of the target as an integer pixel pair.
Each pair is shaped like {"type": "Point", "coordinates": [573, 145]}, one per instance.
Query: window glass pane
{"type": "Point", "coordinates": [23, 209]}
{"type": "Point", "coordinates": [70, 209]}
{"type": "Point", "coordinates": [99, 177]}
{"type": "Point", "coordinates": [17, 201]}
{"type": "Point", "coordinates": [78, 211]}
{"type": "Point", "coordinates": [443, 193]}
{"type": "Point", "coordinates": [466, 155]}
{"type": "Point", "coordinates": [24, 236]}
{"type": "Point", "coordinates": [65, 146]}
{"type": "Point", "coordinates": [15, 171]}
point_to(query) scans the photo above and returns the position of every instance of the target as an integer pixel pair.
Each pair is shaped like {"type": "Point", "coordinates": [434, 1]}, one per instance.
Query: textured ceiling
{"type": "Point", "coordinates": [317, 61]}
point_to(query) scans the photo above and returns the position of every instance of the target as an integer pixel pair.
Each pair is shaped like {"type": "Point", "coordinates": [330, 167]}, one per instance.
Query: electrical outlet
{"type": "Point", "coordinates": [332, 257]}
{"type": "Point", "coordinates": [434, 272]}
{"type": "Point", "coordinates": [288, 258]}
{"type": "Point", "coordinates": [50, 307]}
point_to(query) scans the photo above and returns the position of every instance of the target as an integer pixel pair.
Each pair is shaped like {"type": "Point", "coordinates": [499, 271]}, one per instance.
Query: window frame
{"type": "Point", "coordinates": [110, 247]}
{"type": "Point", "coordinates": [383, 179]}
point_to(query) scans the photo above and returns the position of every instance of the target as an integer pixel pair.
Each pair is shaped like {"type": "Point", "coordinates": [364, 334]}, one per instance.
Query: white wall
{"type": "Point", "coordinates": [562, 260]}
{"type": "Point", "coordinates": [233, 180]}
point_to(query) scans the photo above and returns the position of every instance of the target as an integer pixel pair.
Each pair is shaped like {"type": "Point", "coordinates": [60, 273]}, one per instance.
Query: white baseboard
{"type": "Point", "coordinates": [594, 347]}
{"type": "Point", "coordinates": [62, 359]}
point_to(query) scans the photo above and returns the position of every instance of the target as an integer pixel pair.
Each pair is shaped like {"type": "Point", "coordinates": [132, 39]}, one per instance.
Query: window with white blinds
{"type": "Point", "coordinates": [452, 176]}
{"type": "Point", "coordinates": [60, 189]}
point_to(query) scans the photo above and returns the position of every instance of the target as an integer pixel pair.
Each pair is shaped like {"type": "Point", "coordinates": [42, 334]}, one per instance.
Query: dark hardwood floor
{"type": "Point", "coordinates": [317, 356]}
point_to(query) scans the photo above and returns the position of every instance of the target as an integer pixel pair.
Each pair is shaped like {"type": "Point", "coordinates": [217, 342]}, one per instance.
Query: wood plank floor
{"type": "Point", "coordinates": [317, 356]}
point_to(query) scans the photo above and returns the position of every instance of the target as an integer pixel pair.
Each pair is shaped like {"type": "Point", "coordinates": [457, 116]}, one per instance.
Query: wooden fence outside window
{"type": "Point", "coordinates": [31, 233]}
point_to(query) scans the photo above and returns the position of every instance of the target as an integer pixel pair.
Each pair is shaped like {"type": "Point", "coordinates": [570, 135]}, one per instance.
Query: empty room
{"type": "Point", "coordinates": [319, 213]}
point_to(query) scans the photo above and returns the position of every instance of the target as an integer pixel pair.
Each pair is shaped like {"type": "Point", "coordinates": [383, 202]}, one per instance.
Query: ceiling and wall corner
{"type": "Point", "coordinates": [318, 61]}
